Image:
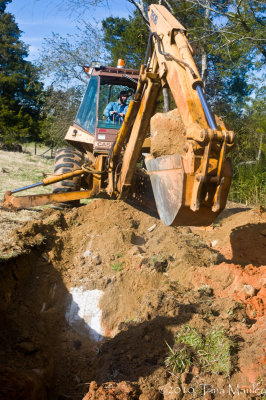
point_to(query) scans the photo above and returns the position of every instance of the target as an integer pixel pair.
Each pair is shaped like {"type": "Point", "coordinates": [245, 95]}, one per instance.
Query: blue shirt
{"type": "Point", "coordinates": [115, 106]}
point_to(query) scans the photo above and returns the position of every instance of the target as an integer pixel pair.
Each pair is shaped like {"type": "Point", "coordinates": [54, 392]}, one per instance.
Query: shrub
{"type": "Point", "coordinates": [248, 184]}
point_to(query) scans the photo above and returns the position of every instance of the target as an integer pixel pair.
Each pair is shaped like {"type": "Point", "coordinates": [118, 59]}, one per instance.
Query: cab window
{"type": "Point", "coordinates": [86, 116]}
{"type": "Point", "coordinates": [110, 93]}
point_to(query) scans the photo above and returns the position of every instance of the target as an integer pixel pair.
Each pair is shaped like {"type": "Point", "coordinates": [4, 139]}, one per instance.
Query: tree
{"type": "Point", "coordinates": [237, 22]}
{"type": "Point", "coordinates": [216, 34]}
{"type": "Point", "coordinates": [59, 110]}
{"type": "Point", "coordinates": [62, 58]}
{"type": "Point", "coordinates": [225, 77]}
{"type": "Point", "coordinates": [228, 38]}
{"type": "Point", "coordinates": [126, 38]}
{"type": "Point", "coordinates": [226, 61]}
{"type": "Point", "coordinates": [20, 88]}
{"type": "Point", "coordinates": [3, 5]}
{"type": "Point", "coordinates": [242, 23]}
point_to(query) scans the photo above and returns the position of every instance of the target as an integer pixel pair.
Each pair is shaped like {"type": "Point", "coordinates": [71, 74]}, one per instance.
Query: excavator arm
{"type": "Point", "coordinates": [192, 188]}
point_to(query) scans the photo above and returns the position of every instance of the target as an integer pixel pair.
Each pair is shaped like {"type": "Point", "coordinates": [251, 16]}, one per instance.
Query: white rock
{"type": "Point", "coordinates": [87, 254]}
{"type": "Point", "coordinates": [84, 313]}
{"type": "Point", "coordinates": [151, 228]}
{"type": "Point", "coordinates": [250, 290]}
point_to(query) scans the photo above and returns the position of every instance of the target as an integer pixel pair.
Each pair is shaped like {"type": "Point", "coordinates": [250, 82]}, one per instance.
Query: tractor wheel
{"type": "Point", "coordinates": [67, 159]}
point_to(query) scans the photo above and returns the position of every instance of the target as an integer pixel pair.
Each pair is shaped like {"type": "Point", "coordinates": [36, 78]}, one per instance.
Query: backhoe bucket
{"type": "Point", "coordinates": [172, 189]}
{"type": "Point", "coordinates": [167, 179]}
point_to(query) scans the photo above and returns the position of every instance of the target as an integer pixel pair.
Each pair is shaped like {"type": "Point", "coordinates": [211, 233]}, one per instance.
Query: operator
{"type": "Point", "coordinates": [116, 110]}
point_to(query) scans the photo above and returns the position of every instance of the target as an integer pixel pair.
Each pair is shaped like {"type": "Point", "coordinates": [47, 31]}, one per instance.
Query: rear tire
{"type": "Point", "coordinates": [67, 159]}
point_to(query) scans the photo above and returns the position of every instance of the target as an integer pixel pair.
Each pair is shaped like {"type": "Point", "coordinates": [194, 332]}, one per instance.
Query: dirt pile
{"type": "Point", "coordinates": [112, 390]}
{"type": "Point", "coordinates": [150, 282]}
{"type": "Point", "coordinates": [172, 143]}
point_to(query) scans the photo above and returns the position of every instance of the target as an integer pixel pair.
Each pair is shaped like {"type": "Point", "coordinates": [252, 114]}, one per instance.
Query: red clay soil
{"type": "Point", "coordinates": [155, 279]}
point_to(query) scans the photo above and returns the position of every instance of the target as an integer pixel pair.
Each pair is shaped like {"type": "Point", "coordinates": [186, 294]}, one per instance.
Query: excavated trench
{"type": "Point", "coordinates": [91, 297]}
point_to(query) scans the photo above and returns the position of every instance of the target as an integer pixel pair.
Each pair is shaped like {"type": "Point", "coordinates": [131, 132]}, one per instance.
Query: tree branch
{"type": "Point", "coordinates": [257, 19]}
{"type": "Point", "coordinates": [169, 6]}
{"type": "Point", "coordinates": [238, 7]}
{"type": "Point", "coordinates": [140, 8]}
{"type": "Point", "coordinates": [206, 5]}
{"type": "Point", "coordinates": [199, 3]}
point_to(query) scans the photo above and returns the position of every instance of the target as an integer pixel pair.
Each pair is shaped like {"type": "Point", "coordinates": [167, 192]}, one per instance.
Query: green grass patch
{"type": "Point", "coordinates": [211, 352]}
{"type": "Point", "coordinates": [118, 266]}
{"type": "Point", "coordinates": [178, 360]}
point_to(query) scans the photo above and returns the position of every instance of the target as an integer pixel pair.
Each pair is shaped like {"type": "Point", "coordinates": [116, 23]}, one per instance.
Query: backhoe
{"type": "Point", "coordinates": [113, 159]}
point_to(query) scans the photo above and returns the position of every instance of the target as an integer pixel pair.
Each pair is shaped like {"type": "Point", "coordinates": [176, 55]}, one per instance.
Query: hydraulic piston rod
{"type": "Point", "coordinates": [205, 106]}
{"type": "Point", "coordinates": [51, 179]}
{"type": "Point", "coordinates": [27, 187]}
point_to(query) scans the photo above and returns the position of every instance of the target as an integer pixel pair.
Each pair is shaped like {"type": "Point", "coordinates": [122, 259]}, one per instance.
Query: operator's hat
{"type": "Point", "coordinates": [123, 93]}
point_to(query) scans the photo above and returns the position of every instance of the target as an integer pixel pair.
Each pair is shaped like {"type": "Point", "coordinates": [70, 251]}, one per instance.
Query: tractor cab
{"type": "Point", "coordinates": [92, 131]}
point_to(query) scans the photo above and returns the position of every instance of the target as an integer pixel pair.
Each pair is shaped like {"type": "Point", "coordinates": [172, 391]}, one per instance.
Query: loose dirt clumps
{"type": "Point", "coordinates": [171, 143]}
{"type": "Point", "coordinates": [150, 284]}
{"type": "Point", "coordinates": [112, 390]}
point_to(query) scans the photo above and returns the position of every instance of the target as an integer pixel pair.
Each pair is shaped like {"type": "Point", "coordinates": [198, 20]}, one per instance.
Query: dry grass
{"type": "Point", "coordinates": [20, 169]}
{"type": "Point", "coordinates": [17, 170]}
{"type": "Point", "coordinates": [39, 149]}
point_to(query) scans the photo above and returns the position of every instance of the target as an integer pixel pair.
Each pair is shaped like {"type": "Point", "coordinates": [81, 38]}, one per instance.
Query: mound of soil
{"type": "Point", "coordinates": [150, 281]}
{"type": "Point", "coordinates": [171, 143]}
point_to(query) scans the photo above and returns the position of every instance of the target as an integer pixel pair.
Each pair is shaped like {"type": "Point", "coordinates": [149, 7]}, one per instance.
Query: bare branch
{"type": "Point", "coordinates": [64, 57]}
{"type": "Point", "coordinates": [140, 6]}
{"type": "Point", "coordinates": [199, 3]}
{"type": "Point", "coordinates": [169, 6]}
{"type": "Point", "coordinates": [238, 6]}
{"type": "Point", "coordinates": [257, 19]}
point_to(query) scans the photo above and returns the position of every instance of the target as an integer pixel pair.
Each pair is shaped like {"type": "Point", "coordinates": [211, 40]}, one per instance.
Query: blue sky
{"type": "Point", "coordinates": [39, 18]}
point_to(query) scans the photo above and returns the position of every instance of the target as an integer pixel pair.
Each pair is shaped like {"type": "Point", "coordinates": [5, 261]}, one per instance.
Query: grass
{"type": "Point", "coordinates": [212, 352]}
{"type": "Point", "coordinates": [18, 170]}
{"type": "Point", "coordinates": [40, 149]}
{"type": "Point", "coordinates": [178, 360]}
{"type": "Point", "coordinates": [118, 266]}
{"type": "Point", "coordinates": [248, 184]}
{"type": "Point", "coordinates": [21, 169]}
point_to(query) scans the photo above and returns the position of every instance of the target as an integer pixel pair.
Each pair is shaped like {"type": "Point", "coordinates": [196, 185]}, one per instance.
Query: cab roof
{"type": "Point", "coordinates": [115, 76]}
